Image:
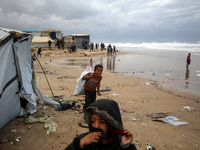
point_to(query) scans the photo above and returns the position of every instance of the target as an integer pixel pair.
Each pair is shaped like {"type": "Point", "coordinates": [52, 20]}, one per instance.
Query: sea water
{"type": "Point", "coordinates": [163, 62]}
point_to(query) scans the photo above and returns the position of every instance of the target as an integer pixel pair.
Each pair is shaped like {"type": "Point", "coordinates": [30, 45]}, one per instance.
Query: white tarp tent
{"type": "Point", "coordinates": [42, 42]}
{"type": "Point", "coordinates": [16, 74]}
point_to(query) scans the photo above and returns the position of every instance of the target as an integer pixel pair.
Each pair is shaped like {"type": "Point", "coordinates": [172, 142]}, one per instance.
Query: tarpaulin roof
{"type": "Point", "coordinates": [41, 39]}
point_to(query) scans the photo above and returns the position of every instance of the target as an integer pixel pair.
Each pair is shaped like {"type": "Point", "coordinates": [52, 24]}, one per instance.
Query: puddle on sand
{"type": "Point", "coordinates": [81, 62]}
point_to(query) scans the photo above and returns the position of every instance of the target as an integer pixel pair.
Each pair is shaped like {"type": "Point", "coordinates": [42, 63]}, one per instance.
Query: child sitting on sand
{"type": "Point", "coordinates": [105, 129]}
{"type": "Point", "coordinates": [91, 84]}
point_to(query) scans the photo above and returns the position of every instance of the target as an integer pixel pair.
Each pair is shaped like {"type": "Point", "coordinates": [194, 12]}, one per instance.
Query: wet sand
{"type": "Point", "coordinates": [137, 97]}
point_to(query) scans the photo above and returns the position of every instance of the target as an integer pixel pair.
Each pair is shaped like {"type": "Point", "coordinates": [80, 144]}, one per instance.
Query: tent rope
{"type": "Point", "coordinates": [44, 75]}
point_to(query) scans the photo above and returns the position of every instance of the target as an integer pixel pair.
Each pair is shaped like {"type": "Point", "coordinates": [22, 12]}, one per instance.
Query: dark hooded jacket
{"type": "Point", "coordinates": [109, 111]}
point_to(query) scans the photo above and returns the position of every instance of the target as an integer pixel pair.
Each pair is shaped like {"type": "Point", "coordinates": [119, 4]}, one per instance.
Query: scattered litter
{"type": "Point", "coordinates": [45, 107]}
{"type": "Point", "coordinates": [49, 125]}
{"type": "Point", "coordinates": [147, 83]}
{"type": "Point", "coordinates": [18, 139]}
{"type": "Point", "coordinates": [29, 127]}
{"type": "Point", "coordinates": [106, 90]}
{"type": "Point", "coordinates": [23, 131]}
{"type": "Point", "coordinates": [186, 107]}
{"type": "Point", "coordinates": [133, 118]}
{"type": "Point", "coordinates": [167, 74]}
{"type": "Point", "coordinates": [115, 94]}
{"type": "Point", "coordinates": [143, 124]}
{"type": "Point", "coordinates": [173, 121]}
{"type": "Point", "coordinates": [197, 101]}
{"type": "Point", "coordinates": [13, 130]}
{"type": "Point", "coordinates": [64, 105]}
{"type": "Point", "coordinates": [123, 112]}
{"type": "Point", "coordinates": [157, 115]}
{"type": "Point", "coordinates": [149, 147]}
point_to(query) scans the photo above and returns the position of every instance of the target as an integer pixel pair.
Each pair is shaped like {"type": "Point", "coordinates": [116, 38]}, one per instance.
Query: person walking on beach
{"type": "Point", "coordinates": [39, 50]}
{"type": "Point", "coordinates": [49, 43]}
{"type": "Point", "coordinates": [91, 46]}
{"type": "Point", "coordinates": [114, 49]}
{"type": "Point", "coordinates": [91, 84]}
{"type": "Point", "coordinates": [106, 131]}
{"type": "Point", "coordinates": [188, 60]}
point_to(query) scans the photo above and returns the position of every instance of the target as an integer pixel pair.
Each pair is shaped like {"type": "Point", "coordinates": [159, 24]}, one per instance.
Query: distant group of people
{"type": "Point", "coordinates": [60, 43]}
{"type": "Point", "coordinates": [111, 50]}
{"type": "Point", "coordinates": [84, 44]}
{"type": "Point", "coordinates": [71, 47]}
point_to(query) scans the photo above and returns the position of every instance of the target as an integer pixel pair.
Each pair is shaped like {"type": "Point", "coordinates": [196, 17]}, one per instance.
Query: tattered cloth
{"type": "Point", "coordinates": [49, 125]}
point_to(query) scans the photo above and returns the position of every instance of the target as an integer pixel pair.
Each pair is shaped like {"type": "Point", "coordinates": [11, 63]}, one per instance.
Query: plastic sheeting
{"type": "Point", "coordinates": [79, 90]}
{"type": "Point", "coordinates": [44, 98]}
{"type": "Point", "coordinates": [15, 63]}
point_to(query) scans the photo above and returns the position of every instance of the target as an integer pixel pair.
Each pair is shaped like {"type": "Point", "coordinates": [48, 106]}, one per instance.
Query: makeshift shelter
{"type": "Point", "coordinates": [54, 34]}
{"type": "Point", "coordinates": [42, 42]}
{"type": "Point", "coordinates": [80, 38]}
{"type": "Point", "coordinates": [16, 75]}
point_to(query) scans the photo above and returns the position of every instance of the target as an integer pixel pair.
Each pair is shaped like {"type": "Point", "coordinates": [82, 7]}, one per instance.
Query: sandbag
{"type": "Point", "coordinates": [79, 90]}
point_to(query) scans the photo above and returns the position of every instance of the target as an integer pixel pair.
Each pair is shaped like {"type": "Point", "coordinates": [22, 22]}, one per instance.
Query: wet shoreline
{"type": "Point", "coordinates": [171, 74]}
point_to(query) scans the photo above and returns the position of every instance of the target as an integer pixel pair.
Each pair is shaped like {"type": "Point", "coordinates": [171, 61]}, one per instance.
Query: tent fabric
{"type": "Point", "coordinates": [44, 98]}
{"type": "Point", "coordinates": [15, 66]}
{"type": "Point", "coordinates": [42, 40]}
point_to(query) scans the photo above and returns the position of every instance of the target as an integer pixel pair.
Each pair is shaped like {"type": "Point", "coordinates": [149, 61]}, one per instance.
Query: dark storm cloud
{"type": "Point", "coordinates": [108, 20]}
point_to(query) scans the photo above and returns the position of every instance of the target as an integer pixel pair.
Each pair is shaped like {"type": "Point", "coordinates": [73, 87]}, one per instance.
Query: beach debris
{"type": "Point", "coordinates": [143, 124]}
{"type": "Point", "coordinates": [115, 94]}
{"type": "Point", "coordinates": [186, 107]}
{"type": "Point", "coordinates": [64, 105]}
{"type": "Point", "coordinates": [197, 101]}
{"type": "Point", "coordinates": [149, 147]}
{"type": "Point", "coordinates": [49, 125]}
{"type": "Point", "coordinates": [29, 127]}
{"type": "Point", "coordinates": [13, 130]}
{"type": "Point", "coordinates": [18, 139]}
{"type": "Point", "coordinates": [147, 83]}
{"type": "Point", "coordinates": [45, 107]}
{"type": "Point", "coordinates": [132, 118]}
{"type": "Point", "coordinates": [106, 90]}
{"type": "Point", "coordinates": [157, 115]}
{"type": "Point", "coordinates": [123, 112]}
{"type": "Point", "coordinates": [173, 121]}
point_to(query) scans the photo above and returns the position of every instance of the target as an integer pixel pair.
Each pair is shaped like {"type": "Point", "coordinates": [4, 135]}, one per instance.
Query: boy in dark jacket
{"type": "Point", "coordinates": [105, 129]}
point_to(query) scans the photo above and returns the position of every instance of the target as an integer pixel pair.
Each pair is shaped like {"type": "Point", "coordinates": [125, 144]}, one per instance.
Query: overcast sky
{"type": "Point", "coordinates": [108, 20]}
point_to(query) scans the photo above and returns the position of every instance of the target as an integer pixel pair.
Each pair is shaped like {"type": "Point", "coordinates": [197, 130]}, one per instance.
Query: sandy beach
{"type": "Point", "coordinates": [137, 97]}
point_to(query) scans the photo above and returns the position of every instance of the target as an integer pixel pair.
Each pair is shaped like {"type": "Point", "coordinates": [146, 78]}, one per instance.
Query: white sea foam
{"type": "Point", "coordinates": [154, 46]}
